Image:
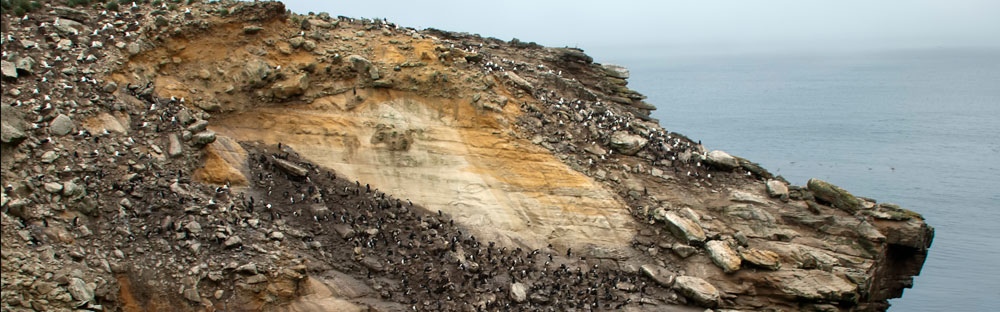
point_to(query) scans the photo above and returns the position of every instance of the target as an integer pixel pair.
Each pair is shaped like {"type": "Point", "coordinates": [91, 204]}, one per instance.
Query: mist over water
{"type": "Point", "coordinates": [917, 128]}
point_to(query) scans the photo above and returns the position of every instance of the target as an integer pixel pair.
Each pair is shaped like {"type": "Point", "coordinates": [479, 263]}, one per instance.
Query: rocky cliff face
{"type": "Point", "coordinates": [234, 156]}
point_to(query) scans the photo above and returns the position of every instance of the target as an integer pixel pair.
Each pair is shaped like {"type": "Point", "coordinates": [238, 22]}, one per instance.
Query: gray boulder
{"type": "Point", "coordinates": [518, 292]}
{"type": "Point", "coordinates": [290, 168]}
{"type": "Point", "coordinates": [13, 125]}
{"type": "Point", "coordinates": [79, 290]}
{"type": "Point", "coordinates": [61, 125]}
{"type": "Point", "coordinates": [616, 71]}
{"type": "Point", "coordinates": [761, 258]}
{"type": "Point", "coordinates": [364, 66]}
{"type": "Point", "coordinates": [205, 137]}
{"type": "Point", "coordinates": [777, 188]}
{"type": "Point", "coordinates": [659, 274]}
{"type": "Point", "coordinates": [683, 228]}
{"type": "Point", "coordinates": [721, 159]}
{"type": "Point", "coordinates": [627, 143]}
{"type": "Point", "coordinates": [8, 69]}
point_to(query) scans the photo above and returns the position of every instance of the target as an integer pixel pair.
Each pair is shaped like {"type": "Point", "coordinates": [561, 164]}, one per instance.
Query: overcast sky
{"type": "Point", "coordinates": [699, 27]}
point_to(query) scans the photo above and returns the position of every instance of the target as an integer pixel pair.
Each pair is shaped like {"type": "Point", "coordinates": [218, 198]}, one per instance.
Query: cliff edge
{"type": "Point", "coordinates": [235, 156]}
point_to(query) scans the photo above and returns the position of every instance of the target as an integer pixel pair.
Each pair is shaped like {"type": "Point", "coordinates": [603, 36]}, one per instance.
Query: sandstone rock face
{"type": "Point", "coordinates": [761, 258]}
{"type": "Point", "coordinates": [697, 289]}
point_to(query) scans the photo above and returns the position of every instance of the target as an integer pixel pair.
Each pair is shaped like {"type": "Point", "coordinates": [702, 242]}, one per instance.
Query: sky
{"type": "Point", "coordinates": [699, 27]}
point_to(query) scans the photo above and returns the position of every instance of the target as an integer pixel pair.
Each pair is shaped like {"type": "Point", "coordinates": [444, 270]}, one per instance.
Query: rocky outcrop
{"type": "Point", "coordinates": [231, 155]}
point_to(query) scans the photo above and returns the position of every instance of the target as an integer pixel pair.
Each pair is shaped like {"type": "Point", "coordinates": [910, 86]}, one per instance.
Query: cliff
{"type": "Point", "coordinates": [235, 156]}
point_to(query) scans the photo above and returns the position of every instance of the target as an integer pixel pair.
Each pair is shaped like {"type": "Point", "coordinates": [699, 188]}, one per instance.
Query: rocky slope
{"type": "Point", "coordinates": [235, 156]}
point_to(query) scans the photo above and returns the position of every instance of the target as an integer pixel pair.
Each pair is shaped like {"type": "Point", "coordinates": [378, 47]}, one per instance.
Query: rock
{"type": "Point", "coordinates": [64, 44]}
{"type": "Point", "coordinates": [256, 73]}
{"type": "Point", "coordinates": [616, 71]}
{"type": "Point", "coordinates": [133, 49]}
{"type": "Point", "coordinates": [812, 285]}
{"type": "Point", "coordinates": [111, 86]}
{"type": "Point", "coordinates": [203, 138]}
{"type": "Point", "coordinates": [8, 69]}
{"type": "Point", "coordinates": [296, 42]}
{"type": "Point", "coordinates": [518, 81]}
{"type": "Point", "coordinates": [290, 87]}
{"type": "Point", "coordinates": [290, 168]}
{"type": "Point", "coordinates": [722, 159]}
{"type": "Point", "coordinates": [836, 196]}
{"type": "Point", "coordinates": [683, 228]}
{"type": "Point", "coordinates": [61, 125]}
{"type": "Point", "coordinates": [53, 187]}
{"type": "Point", "coordinates": [175, 148]}
{"type": "Point", "coordinates": [249, 269]}
{"type": "Point", "coordinates": [13, 125]}
{"type": "Point", "coordinates": [698, 290]}
{"type": "Point", "coordinates": [72, 190]}
{"type": "Point", "coordinates": [518, 292]}
{"type": "Point", "coordinates": [26, 65]}
{"type": "Point", "coordinates": [252, 29]}
{"type": "Point", "coordinates": [683, 251]}
{"type": "Point", "coordinates": [192, 294]}
{"type": "Point", "coordinates": [761, 258]}
{"type": "Point", "coordinates": [659, 274]}
{"type": "Point", "coordinates": [233, 241]}
{"type": "Point", "coordinates": [198, 126]}
{"type": "Point", "coordinates": [362, 65]}
{"type": "Point", "coordinates": [79, 290]}
{"type": "Point", "coordinates": [723, 256]}
{"type": "Point", "coordinates": [73, 14]}
{"type": "Point", "coordinates": [776, 188]}
{"type": "Point", "coordinates": [574, 55]}
{"type": "Point", "coordinates": [193, 227]}
{"type": "Point", "coordinates": [627, 143]}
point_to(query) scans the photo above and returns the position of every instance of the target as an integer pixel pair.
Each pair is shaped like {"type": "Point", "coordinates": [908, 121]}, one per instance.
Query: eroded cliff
{"type": "Point", "coordinates": [235, 156]}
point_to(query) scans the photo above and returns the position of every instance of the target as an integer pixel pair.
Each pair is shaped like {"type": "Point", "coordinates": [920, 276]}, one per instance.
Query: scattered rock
{"type": "Point", "coordinates": [290, 168]}
{"type": "Point", "coordinates": [203, 138]}
{"type": "Point", "coordinates": [252, 29]}
{"type": "Point", "coordinates": [8, 69]}
{"type": "Point", "coordinates": [683, 250]}
{"type": "Point", "coordinates": [364, 66]}
{"type": "Point", "coordinates": [79, 290]}
{"type": "Point", "coordinates": [53, 187]}
{"type": "Point", "coordinates": [616, 71]}
{"type": "Point", "coordinates": [174, 148]}
{"type": "Point", "coordinates": [698, 290]}
{"type": "Point", "coordinates": [761, 258]}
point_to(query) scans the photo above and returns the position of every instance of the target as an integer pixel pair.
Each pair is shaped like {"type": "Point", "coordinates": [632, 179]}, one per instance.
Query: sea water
{"type": "Point", "coordinates": [917, 128]}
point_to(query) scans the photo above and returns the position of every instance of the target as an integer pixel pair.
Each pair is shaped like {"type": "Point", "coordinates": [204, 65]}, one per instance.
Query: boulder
{"type": "Point", "coordinates": [518, 292]}
{"type": "Point", "coordinates": [13, 125]}
{"type": "Point", "coordinates": [61, 125]}
{"type": "Point", "coordinates": [627, 143]}
{"type": "Point", "coordinates": [761, 258]}
{"type": "Point", "coordinates": [723, 256]}
{"type": "Point", "coordinates": [79, 290]}
{"type": "Point", "coordinates": [73, 14]}
{"type": "Point", "coordinates": [174, 148]}
{"type": "Point", "coordinates": [518, 81]}
{"type": "Point", "coordinates": [697, 289]}
{"type": "Point", "coordinates": [8, 69]}
{"type": "Point", "coordinates": [659, 274]}
{"type": "Point", "coordinates": [722, 160]}
{"type": "Point", "coordinates": [683, 228]}
{"type": "Point", "coordinates": [26, 65]}
{"type": "Point", "coordinates": [290, 168]}
{"type": "Point", "coordinates": [364, 66]}
{"type": "Point", "coordinates": [256, 73]}
{"type": "Point", "coordinates": [836, 196]}
{"type": "Point", "coordinates": [776, 188]}
{"type": "Point", "coordinates": [295, 85]}
{"type": "Point", "coordinates": [574, 55]}
{"type": "Point", "coordinates": [203, 138]}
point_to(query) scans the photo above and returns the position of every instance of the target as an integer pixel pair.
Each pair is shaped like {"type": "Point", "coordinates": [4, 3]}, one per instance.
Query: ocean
{"type": "Point", "coordinates": [919, 128]}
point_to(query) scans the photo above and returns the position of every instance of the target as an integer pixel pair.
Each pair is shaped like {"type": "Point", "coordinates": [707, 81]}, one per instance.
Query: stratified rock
{"type": "Point", "coordinates": [61, 125]}
{"type": "Point", "coordinates": [518, 81]}
{"type": "Point", "coordinates": [683, 228]}
{"type": "Point", "coordinates": [290, 168]}
{"type": "Point", "coordinates": [627, 143]}
{"type": "Point", "coordinates": [761, 258]}
{"type": "Point", "coordinates": [73, 14]}
{"type": "Point", "coordinates": [616, 71]}
{"type": "Point", "coordinates": [721, 159]}
{"type": "Point", "coordinates": [836, 196]}
{"type": "Point", "coordinates": [252, 29]}
{"type": "Point", "coordinates": [659, 274]}
{"type": "Point", "coordinates": [776, 188]}
{"type": "Point", "coordinates": [698, 290]}
{"type": "Point", "coordinates": [723, 256]}
{"type": "Point", "coordinates": [518, 292]}
{"type": "Point", "coordinates": [812, 285]}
